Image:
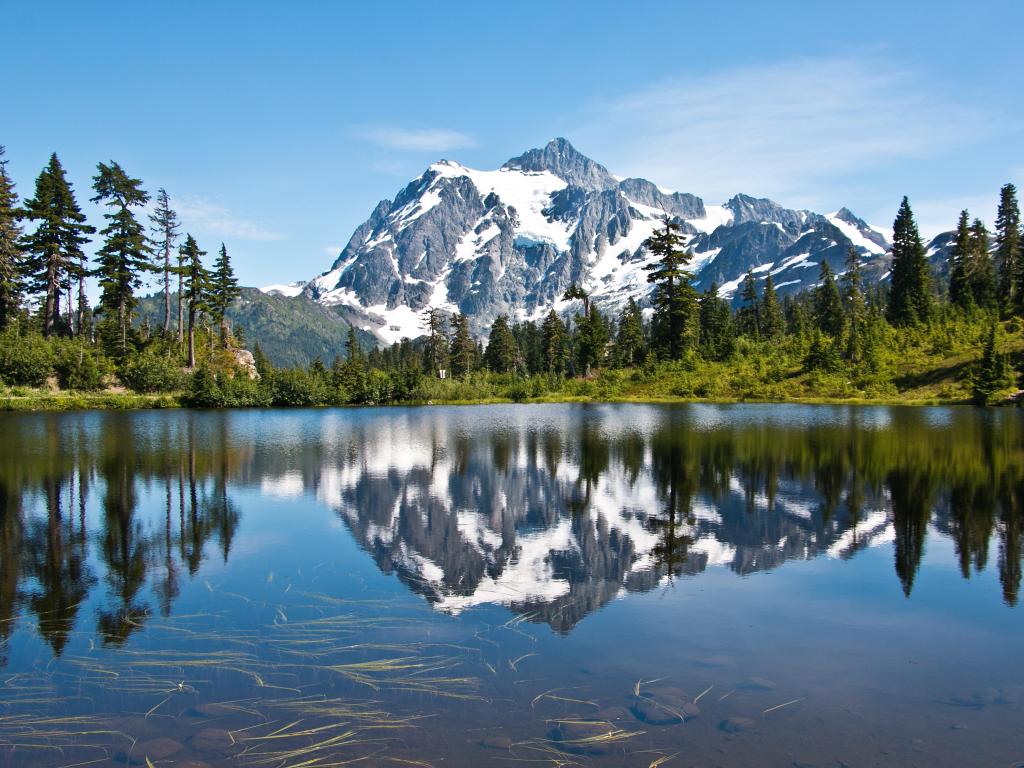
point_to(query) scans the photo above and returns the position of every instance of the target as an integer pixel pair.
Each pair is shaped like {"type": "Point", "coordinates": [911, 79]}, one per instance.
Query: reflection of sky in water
{"type": "Point", "coordinates": [574, 548]}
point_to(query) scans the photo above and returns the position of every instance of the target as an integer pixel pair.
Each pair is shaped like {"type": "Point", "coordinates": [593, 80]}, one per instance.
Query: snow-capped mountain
{"type": "Point", "coordinates": [510, 241]}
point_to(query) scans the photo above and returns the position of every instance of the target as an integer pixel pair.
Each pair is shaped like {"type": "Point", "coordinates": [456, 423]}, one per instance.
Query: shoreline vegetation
{"type": "Point", "coordinates": [933, 333]}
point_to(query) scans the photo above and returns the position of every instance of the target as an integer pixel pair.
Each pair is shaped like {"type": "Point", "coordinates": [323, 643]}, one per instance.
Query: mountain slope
{"type": "Point", "coordinates": [510, 241]}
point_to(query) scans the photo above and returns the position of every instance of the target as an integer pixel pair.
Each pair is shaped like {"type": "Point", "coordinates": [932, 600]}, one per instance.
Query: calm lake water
{"type": "Point", "coordinates": [553, 585]}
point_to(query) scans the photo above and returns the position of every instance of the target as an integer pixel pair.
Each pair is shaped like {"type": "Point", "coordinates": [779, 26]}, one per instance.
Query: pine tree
{"type": "Point", "coordinates": [748, 318]}
{"type": "Point", "coordinates": [828, 304]}
{"type": "Point", "coordinates": [224, 291]}
{"type": "Point", "coordinates": [717, 339]}
{"type": "Point", "coordinates": [981, 276]}
{"type": "Point", "coordinates": [197, 287]}
{"type": "Point", "coordinates": [501, 355]}
{"type": "Point", "coordinates": [435, 358]}
{"type": "Point", "coordinates": [463, 349]}
{"type": "Point", "coordinates": [629, 340]}
{"type": "Point", "coordinates": [674, 299]}
{"type": "Point", "coordinates": [553, 351]}
{"type": "Point", "coordinates": [125, 253]}
{"type": "Point", "coordinates": [10, 248]}
{"type": "Point", "coordinates": [591, 339]}
{"type": "Point", "coordinates": [854, 307]}
{"type": "Point", "coordinates": [55, 255]}
{"type": "Point", "coordinates": [990, 374]}
{"type": "Point", "coordinates": [1009, 252]}
{"type": "Point", "coordinates": [910, 299]}
{"type": "Point", "coordinates": [773, 324]}
{"type": "Point", "coordinates": [960, 292]}
{"type": "Point", "coordinates": [166, 230]}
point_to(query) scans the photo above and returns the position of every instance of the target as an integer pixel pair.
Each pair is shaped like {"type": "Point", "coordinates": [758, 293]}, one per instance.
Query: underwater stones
{"type": "Point", "coordinates": [583, 737]}
{"type": "Point", "coordinates": [613, 714]}
{"type": "Point", "coordinates": [757, 684]}
{"type": "Point", "coordinates": [663, 707]}
{"type": "Point", "coordinates": [211, 709]}
{"type": "Point", "coordinates": [212, 740]}
{"type": "Point", "coordinates": [738, 725]}
{"type": "Point", "coordinates": [497, 742]}
{"type": "Point", "coordinates": [159, 748]}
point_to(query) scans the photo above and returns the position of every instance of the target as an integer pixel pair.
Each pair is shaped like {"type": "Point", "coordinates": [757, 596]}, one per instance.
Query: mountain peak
{"type": "Point", "coordinates": [562, 159]}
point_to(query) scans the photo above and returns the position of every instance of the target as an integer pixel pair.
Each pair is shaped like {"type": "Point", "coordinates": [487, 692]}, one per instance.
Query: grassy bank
{"type": "Point", "coordinates": [28, 399]}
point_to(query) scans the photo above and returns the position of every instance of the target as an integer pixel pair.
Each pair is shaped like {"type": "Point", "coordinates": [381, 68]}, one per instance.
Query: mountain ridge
{"type": "Point", "coordinates": [511, 240]}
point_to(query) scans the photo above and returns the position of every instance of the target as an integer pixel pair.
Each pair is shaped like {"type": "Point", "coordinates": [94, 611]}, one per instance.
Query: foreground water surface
{"type": "Point", "coordinates": [555, 585]}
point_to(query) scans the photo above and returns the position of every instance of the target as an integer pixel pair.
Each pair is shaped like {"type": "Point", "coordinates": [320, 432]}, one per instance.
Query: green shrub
{"type": "Point", "coordinates": [80, 366]}
{"type": "Point", "coordinates": [149, 372]}
{"type": "Point", "coordinates": [296, 387]}
{"type": "Point", "coordinates": [203, 391]}
{"type": "Point", "coordinates": [26, 360]}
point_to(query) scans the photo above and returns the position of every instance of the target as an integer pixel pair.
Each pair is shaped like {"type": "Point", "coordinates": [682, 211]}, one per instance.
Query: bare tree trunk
{"type": "Point", "coordinates": [191, 338]}
{"type": "Point", "coordinates": [51, 310]}
{"type": "Point", "coordinates": [181, 310]}
{"type": "Point", "coordinates": [167, 290]}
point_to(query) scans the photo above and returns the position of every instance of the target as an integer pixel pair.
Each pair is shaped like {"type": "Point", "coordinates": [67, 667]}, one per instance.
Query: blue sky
{"type": "Point", "coordinates": [276, 127]}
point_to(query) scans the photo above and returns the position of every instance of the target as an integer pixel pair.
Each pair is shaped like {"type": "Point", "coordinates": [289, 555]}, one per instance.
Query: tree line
{"type": "Point", "coordinates": [840, 326]}
{"type": "Point", "coordinates": [44, 268]}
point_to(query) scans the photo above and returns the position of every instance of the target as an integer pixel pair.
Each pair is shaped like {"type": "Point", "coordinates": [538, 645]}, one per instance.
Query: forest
{"type": "Point", "coordinates": [930, 333]}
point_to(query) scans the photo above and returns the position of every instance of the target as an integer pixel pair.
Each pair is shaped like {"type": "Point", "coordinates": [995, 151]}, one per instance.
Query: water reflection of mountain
{"type": "Point", "coordinates": [552, 512]}
{"type": "Point", "coordinates": [556, 523]}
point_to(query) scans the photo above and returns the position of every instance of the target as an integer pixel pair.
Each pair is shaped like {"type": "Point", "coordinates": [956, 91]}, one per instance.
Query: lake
{"type": "Point", "coordinates": [606, 585]}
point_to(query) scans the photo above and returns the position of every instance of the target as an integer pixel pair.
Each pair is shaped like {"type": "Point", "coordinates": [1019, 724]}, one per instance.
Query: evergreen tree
{"type": "Point", "coordinates": [1009, 252]}
{"type": "Point", "coordinates": [591, 339]}
{"type": "Point", "coordinates": [55, 255]}
{"type": "Point", "coordinates": [773, 324]}
{"type": "Point", "coordinates": [828, 304]}
{"type": "Point", "coordinates": [991, 372]}
{"type": "Point", "coordinates": [436, 352]}
{"type": "Point", "coordinates": [501, 355]}
{"type": "Point", "coordinates": [166, 230]}
{"type": "Point", "coordinates": [224, 291]}
{"type": "Point", "coordinates": [553, 351]}
{"type": "Point", "coordinates": [463, 348]}
{"type": "Point", "coordinates": [854, 307]}
{"type": "Point", "coordinates": [748, 317]}
{"type": "Point", "coordinates": [10, 248]}
{"type": "Point", "coordinates": [674, 299]}
{"type": "Point", "coordinates": [629, 340]}
{"type": "Point", "coordinates": [960, 293]}
{"type": "Point", "coordinates": [124, 255]}
{"type": "Point", "coordinates": [910, 299]}
{"type": "Point", "coordinates": [981, 276]}
{"type": "Point", "coordinates": [196, 288]}
{"type": "Point", "coordinates": [717, 338]}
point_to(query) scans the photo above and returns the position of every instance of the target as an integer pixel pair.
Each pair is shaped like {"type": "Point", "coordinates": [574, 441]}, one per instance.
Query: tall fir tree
{"type": "Point", "coordinates": [960, 293]}
{"type": "Point", "coordinates": [553, 346]}
{"type": "Point", "coordinates": [224, 291]}
{"type": "Point", "coordinates": [629, 340]}
{"type": "Point", "coordinates": [773, 324]}
{"type": "Point", "coordinates": [54, 249]}
{"type": "Point", "coordinates": [501, 355]}
{"type": "Point", "coordinates": [717, 339]}
{"type": "Point", "coordinates": [674, 299]}
{"type": "Point", "coordinates": [828, 304]}
{"type": "Point", "coordinates": [590, 339]}
{"type": "Point", "coordinates": [436, 352]}
{"type": "Point", "coordinates": [748, 318]}
{"type": "Point", "coordinates": [125, 254]}
{"type": "Point", "coordinates": [166, 230]}
{"type": "Point", "coordinates": [981, 276]}
{"type": "Point", "coordinates": [910, 297]}
{"type": "Point", "coordinates": [854, 307]}
{"type": "Point", "coordinates": [1009, 251]}
{"type": "Point", "coordinates": [197, 287]}
{"type": "Point", "coordinates": [991, 372]}
{"type": "Point", "coordinates": [11, 266]}
{"type": "Point", "coordinates": [463, 348]}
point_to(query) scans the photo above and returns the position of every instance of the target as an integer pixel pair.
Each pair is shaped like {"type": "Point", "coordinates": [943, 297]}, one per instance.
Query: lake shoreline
{"type": "Point", "coordinates": [44, 401]}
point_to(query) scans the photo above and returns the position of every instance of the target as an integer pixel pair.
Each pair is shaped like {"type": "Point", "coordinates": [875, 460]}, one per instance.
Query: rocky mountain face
{"type": "Point", "coordinates": [510, 241]}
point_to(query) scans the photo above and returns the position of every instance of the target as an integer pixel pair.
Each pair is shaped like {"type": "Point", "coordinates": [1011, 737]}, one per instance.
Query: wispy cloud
{"type": "Point", "coordinates": [201, 215]}
{"type": "Point", "coordinates": [791, 127]}
{"type": "Point", "coordinates": [414, 139]}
